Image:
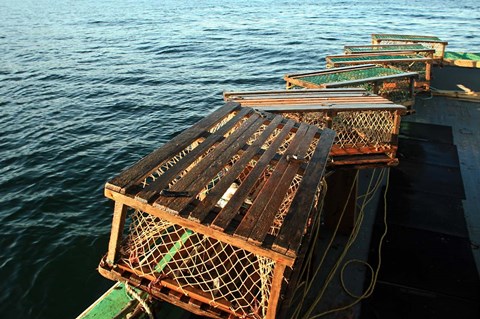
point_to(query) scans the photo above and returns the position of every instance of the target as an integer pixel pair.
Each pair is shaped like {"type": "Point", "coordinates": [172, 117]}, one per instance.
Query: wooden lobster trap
{"type": "Point", "coordinates": [392, 84]}
{"type": "Point", "coordinates": [404, 61]}
{"type": "Point", "coordinates": [391, 48]}
{"type": "Point", "coordinates": [429, 41]}
{"type": "Point", "coordinates": [216, 219]}
{"type": "Point", "coordinates": [366, 125]}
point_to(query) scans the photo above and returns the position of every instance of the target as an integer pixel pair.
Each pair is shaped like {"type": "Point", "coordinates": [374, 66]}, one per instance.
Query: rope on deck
{"type": "Point", "coordinates": [136, 296]}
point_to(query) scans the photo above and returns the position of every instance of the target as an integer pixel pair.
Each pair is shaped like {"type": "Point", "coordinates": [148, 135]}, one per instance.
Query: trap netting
{"type": "Point", "coordinates": [439, 47]}
{"type": "Point", "coordinates": [396, 90]}
{"type": "Point", "coordinates": [158, 248]}
{"type": "Point", "coordinates": [383, 48]}
{"type": "Point", "coordinates": [355, 129]}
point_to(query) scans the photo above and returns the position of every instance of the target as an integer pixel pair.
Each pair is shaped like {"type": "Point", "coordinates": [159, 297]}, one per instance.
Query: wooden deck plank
{"type": "Point", "coordinates": [196, 179]}
{"type": "Point", "coordinates": [265, 220]}
{"type": "Point", "coordinates": [148, 164]}
{"type": "Point", "coordinates": [224, 218]}
{"type": "Point", "coordinates": [201, 211]}
{"type": "Point", "coordinates": [253, 214]}
{"type": "Point", "coordinates": [161, 183]}
{"type": "Point", "coordinates": [292, 230]}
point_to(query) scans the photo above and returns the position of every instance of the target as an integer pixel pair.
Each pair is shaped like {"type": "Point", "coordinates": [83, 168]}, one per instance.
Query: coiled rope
{"type": "Point", "coordinates": [366, 198]}
{"type": "Point", "coordinates": [131, 292]}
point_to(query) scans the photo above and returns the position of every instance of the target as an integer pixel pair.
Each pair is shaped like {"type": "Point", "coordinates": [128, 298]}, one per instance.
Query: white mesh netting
{"type": "Point", "coordinates": [438, 47]}
{"type": "Point", "coordinates": [354, 129]}
{"type": "Point", "coordinates": [367, 128]}
{"type": "Point", "coordinates": [164, 250]}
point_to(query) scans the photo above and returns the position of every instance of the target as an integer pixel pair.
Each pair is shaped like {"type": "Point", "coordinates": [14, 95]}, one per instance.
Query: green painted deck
{"type": "Point", "coordinates": [462, 56]}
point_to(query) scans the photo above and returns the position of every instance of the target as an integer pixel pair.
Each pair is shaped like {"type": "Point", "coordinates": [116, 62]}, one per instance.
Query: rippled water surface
{"type": "Point", "coordinates": [89, 87]}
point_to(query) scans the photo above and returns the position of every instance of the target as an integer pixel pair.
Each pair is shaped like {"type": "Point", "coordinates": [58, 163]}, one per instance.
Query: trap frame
{"type": "Point", "coordinates": [367, 125]}
{"type": "Point", "coordinates": [392, 84]}
{"type": "Point", "coordinates": [404, 61]}
{"type": "Point", "coordinates": [217, 219]}
{"type": "Point", "coordinates": [429, 41]}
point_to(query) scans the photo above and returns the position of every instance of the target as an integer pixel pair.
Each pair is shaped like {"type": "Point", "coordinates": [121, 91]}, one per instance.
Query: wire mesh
{"type": "Point", "coordinates": [350, 75]}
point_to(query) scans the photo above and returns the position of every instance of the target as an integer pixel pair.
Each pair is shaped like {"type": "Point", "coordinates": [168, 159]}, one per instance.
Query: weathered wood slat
{"type": "Point", "coordinates": [313, 100]}
{"type": "Point", "coordinates": [196, 179]}
{"type": "Point", "coordinates": [224, 218]}
{"type": "Point", "coordinates": [148, 164]}
{"type": "Point", "coordinates": [337, 108]}
{"type": "Point", "coordinates": [201, 211]}
{"type": "Point", "coordinates": [253, 214]}
{"type": "Point", "coordinates": [292, 230]}
{"type": "Point", "coordinates": [161, 183]}
{"type": "Point", "coordinates": [266, 219]}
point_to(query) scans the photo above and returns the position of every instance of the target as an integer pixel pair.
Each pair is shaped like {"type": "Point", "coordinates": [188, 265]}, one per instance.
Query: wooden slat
{"type": "Point", "coordinates": [226, 215]}
{"type": "Point", "coordinates": [292, 230]}
{"type": "Point", "coordinates": [274, 299]}
{"type": "Point", "coordinates": [288, 94]}
{"type": "Point", "coordinates": [200, 175]}
{"type": "Point", "coordinates": [148, 164]}
{"type": "Point", "coordinates": [118, 223]}
{"type": "Point", "coordinates": [261, 201]}
{"type": "Point", "coordinates": [354, 107]}
{"type": "Point", "coordinates": [201, 211]}
{"type": "Point", "coordinates": [161, 183]}
{"type": "Point", "coordinates": [265, 220]}
{"type": "Point", "coordinates": [281, 99]}
{"type": "Point", "coordinates": [226, 95]}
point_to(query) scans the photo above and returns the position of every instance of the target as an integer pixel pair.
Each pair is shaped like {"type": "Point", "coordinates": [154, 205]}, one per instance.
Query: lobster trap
{"type": "Point", "coordinates": [392, 84]}
{"type": "Point", "coordinates": [404, 61]}
{"type": "Point", "coordinates": [367, 125]}
{"type": "Point", "coordinates": [390, 48]}
{"type": "Point", "coordinates": [216, 220]}
{"type": "Point", "coordinates": [432, 42]}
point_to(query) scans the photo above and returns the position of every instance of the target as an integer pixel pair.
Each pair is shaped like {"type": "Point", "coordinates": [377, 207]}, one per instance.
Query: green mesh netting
{"type": "Point", "coordinates": [462, 56]}
{"type": "Point", "coordinates": [350, 75]}
{"type": "Point", "coordinates": [381, 48]}
{"type": "Point", "coordinates": [405, 37]}
{"type": "Point", "coordinates": [396, 90]}
{"type": "Point", "coordinates": [366, 59]}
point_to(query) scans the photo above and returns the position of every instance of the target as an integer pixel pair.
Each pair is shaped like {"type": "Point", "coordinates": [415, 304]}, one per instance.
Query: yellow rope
{"type": "Point", "coordinates": [308, 287]}
{"type": "Point", "coordinates": [144, 304]}
{"type": "Point", "coordinates": [367, 197]}
{"type": "Point", "coordinates": [368, 292]}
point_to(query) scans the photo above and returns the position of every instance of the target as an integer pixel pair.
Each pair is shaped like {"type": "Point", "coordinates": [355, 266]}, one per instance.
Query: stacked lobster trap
{"type": "Point", "coordinates": [390, 48]}
{"type": "Point", "coordinates": [216, 221]}
{"type": "Point", "coordinates": [404, 61]}
{"type": "Point", "coordinates": [366, 125]}
{"type": "Point", "coordinates": [432, 42]}
{"type": "Point", "coordinates": [392, 84]}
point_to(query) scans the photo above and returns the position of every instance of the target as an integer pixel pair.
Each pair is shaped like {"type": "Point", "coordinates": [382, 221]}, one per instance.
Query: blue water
{"type": "Point", "coordinates": [89, 87]}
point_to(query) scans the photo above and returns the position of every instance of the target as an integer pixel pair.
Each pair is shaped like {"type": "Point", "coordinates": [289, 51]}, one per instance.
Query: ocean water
{"type": "Point", "coordinates": [89, 87]}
